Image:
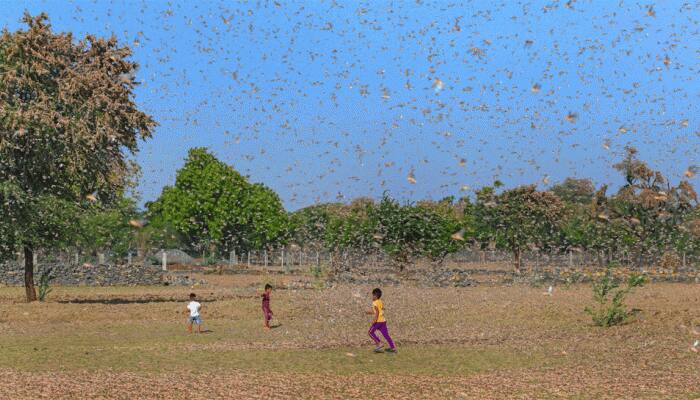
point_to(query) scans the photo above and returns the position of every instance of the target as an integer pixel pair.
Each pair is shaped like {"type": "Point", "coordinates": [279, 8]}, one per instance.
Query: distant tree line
{"type": "Point", "coordinates": [212, 210]}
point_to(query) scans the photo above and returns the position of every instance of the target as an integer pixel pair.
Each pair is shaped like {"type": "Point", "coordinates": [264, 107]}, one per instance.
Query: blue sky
{"type": "Point", "coordinates": [324, 100]}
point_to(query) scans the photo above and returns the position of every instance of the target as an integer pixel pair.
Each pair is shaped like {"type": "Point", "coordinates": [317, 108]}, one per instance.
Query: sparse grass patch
{"type": "Point", "coordinates": [487, 341]}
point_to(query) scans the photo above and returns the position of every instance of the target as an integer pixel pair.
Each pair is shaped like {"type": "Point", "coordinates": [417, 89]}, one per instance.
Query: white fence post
{"type": "Point", "coordinates": [128, 258]}
{"type": "Point", "coordinates": [283, 265]}
{"type": "Point", "coordinates": [248, 259]}
{"type": "Point", "coordinates": [165, 261]}
{"type": "Point", "coordinates": [265, 255]}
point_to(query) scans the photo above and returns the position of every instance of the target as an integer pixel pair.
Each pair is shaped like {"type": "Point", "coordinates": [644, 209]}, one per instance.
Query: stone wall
{"type": "Point", "coordinates": [12, 274]}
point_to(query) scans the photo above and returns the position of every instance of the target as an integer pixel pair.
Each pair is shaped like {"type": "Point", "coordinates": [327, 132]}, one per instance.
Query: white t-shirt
{"type": "Point", "coordinates": [194, 308]}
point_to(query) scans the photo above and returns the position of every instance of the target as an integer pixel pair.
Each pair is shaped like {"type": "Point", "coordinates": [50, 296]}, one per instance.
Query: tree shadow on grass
{"type": "Point", "coordinates": [121, 300]}
{"type": "Point", "coordinates": [125, 301]}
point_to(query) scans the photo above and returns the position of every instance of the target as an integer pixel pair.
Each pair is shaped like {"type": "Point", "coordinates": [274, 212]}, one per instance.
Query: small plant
{"type": "Point", "coordinates": [609, 295]}
{"type": "Point", "coordinates": [575, 277]}
{"type": "Point", "coordinates": [316, 271]}
{"type": "Point", "coordinates": [44, 281]}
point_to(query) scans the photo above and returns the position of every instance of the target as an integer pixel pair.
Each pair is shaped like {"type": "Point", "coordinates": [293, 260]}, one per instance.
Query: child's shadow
{"type": "Point", "coordinates": [275, 326]}
{"type": "Point", "coordinates": [205, 331]}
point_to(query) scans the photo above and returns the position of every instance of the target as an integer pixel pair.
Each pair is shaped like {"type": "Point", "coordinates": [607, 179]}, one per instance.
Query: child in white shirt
{"type": "Point", "coordinates": [194, 318]}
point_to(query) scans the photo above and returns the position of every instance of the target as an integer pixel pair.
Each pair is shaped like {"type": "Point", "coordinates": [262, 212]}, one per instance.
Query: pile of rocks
{"type": "Point", "coordinates": [438, 277]}
{"type": "Point", "coordinates": [305, 285]}
{"type": "Point", "coordinates": [357, 279]}
{"type": "Point", "coordinates": [448, 278]}
{"type": "Point", "coordinates": [182, 280]}
{"type": "Point", "coordinates": [12, 274]}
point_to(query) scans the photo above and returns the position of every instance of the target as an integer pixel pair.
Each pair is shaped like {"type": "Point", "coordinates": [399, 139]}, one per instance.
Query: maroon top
{"type": "Point", "coordinates": [266, 301]}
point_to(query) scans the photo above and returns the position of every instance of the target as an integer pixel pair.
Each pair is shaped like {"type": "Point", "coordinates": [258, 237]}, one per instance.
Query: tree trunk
{"type": "Point", "coordinates": [517, 254]}
{"type": "Point", "coordinates": [29, 274]}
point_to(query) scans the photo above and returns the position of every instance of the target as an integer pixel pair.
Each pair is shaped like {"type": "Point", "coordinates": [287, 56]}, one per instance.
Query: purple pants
{"type": "Point", "coordinates": [381, 327]}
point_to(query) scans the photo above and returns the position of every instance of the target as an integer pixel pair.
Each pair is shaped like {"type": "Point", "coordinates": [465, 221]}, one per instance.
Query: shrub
{"type": "Point", "coordinates": [44, 281]}
{"type": "Point", "coordinates": [575, 277]}
{"type": "Point", "coordinates": [316, 271]}
{"type": "Point", "coordinates": [609, 296]}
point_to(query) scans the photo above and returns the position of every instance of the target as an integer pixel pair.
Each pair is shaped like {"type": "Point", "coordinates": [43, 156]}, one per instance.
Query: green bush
{"type": "Point", "coordinates": [575, 277]}
{"type": "Point", "coordinates": [44, 281]}
{"type": "Point", "coordinates": [609, 296]}
{"type": "Point", "coordinates": [316, 271]}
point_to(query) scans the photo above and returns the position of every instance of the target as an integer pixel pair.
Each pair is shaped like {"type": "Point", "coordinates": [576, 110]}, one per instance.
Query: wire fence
{"type": "Point", "coordinates": [289, 259]}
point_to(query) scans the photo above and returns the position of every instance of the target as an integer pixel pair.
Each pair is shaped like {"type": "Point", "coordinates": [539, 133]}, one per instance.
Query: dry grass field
{"type": "Point", "coordinates": [473, 343]}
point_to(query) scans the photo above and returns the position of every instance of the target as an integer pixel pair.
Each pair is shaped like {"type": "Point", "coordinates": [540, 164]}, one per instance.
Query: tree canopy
{"type": "Point", "coordinates": [573, 190]}
{"type": "Point", "coordinates": [215, 207]}
{"type": "Point", "coordinates": [68, 122]}
{"type": "Point", "coordinates": [519, 219]}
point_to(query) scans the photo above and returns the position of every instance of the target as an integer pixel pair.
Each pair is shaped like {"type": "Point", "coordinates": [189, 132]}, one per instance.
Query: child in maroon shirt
{"type": "Point", "coordinates": [267, 312]}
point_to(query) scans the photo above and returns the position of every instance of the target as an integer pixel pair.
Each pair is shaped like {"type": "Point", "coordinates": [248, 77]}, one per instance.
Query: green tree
{"type": "Point", "coordinates": [593, 226]}
{"type": "Point", "coordinates": [110, 228]}
{"type": "Point", "coordinates": [652, 209]}
{"type": "Point", "coordinates": [352, 227]}
{"type": "Point", "coordinates": [47, 221]}
{"type": "Point", "coordinates": [687, 238]}
{"type": "Point", "coordinates": [156, 235]}
{"type": "Point", "coordinates": [518, 219]}
{"type": "Point", "coordinates": [575, 191]}
{"type": "Point", "coordinates": [409, 231]}
{"type": "Point", "coordinates": [214, 207]}
{"type": "Point", "coordinates": [448, 227]}
{"type": "Point", "coordinates": [399, 230]}
{"type": "Point", "coordinates": [267, 220]}
{"type": "Point", "coordinates": [67, 122]}
{"type": "Point", "coordinates": [309, 224]}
